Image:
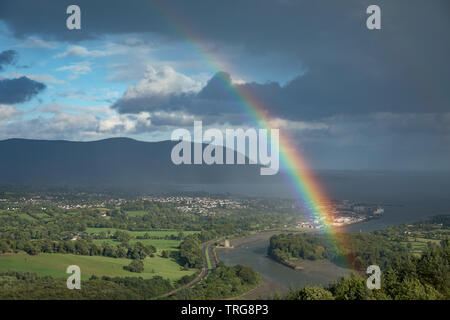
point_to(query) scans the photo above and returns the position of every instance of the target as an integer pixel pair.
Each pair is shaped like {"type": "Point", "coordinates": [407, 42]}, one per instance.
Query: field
{"type": "Point", "coordinates": [26, 216]}
{"type": "Point", "coordinates": [153, 233]}
{"type": "Point", "coordinates": [208, 259]}
{"type": "Point", "coordinates": [137, 213]}
{"type": "Point", "coordinates": [418, 245]}
{"type": "Point", "coordinates": [160, 244]}
{"type": "Point", "coordinates": [55, 265]}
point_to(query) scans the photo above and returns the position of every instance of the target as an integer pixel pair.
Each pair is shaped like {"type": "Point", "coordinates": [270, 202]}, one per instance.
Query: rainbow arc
{"type": "Point", "coordinates": [297, 169]}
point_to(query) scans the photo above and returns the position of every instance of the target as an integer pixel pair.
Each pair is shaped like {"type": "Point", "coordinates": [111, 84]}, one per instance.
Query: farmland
{"type": "Point", "coordinates": [160, 239]}
{"type": "Point", "coordinates": [159, 244]}
{"type": "Point", "coordinates": [55, 265]}
{"type": "Point", "coordinates": [152, 233]}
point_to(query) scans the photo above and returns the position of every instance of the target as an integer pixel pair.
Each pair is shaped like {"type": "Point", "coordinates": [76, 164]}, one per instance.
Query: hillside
{"type": "Point", "coordinates": [117, 162]}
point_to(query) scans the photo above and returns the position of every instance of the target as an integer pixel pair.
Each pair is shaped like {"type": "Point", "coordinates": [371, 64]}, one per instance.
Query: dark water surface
{"type": "Point", "coordinates": [254, 256]}
{"type": "Point", "coordinates": [406, 197]}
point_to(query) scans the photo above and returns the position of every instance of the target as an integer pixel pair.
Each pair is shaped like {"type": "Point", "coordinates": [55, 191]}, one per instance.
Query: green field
{"type": "Point", "coordinates": [418, 245]}
{"type": "Point", "coordinates": [137, 213]}
{"type": "Point", "coordinates": [160, 244]}
{"type": "Point", "coordinates": [55, 265]}
{"type": "Point", "coordinates": [208, 259]}
{"type": "Point", "coordinates": [153, 233]}
{"type": "Point", "coordinates": [26, 216]}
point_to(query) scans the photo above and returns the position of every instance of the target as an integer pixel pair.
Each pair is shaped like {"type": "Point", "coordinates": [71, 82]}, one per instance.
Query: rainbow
{"type": "Point", "coordinates": [299, 174]}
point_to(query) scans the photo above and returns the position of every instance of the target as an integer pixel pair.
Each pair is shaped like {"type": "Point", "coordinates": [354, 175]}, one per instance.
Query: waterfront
{"type": "Point", "coordinates": [405, 197]}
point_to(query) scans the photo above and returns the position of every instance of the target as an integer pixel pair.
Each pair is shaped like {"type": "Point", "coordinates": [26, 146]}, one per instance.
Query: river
{"type": "Point", "coordinates": [406, 198]}
{"type": "Point", "coordinates": [253, 254]}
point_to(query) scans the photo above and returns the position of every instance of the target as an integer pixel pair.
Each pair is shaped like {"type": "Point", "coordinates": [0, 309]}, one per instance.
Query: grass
{"type": "Point", "coordinates": [208, 259]}
{"type": "Point", "coordinates": [418, 245]}
{"type": "Point", "coordinates": [26, 216]}
{"type": "Point", "coordinates": [40, 215]}
{"type": "Point", "coordinates": [136, 213]}
{"type": "Point", "coordinates": [55, 265]}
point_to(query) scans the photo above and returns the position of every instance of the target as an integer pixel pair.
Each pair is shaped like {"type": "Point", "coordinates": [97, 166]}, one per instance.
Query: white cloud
{"type": "Point", "coordinates": [297, 125]}
{"type": "Point", "coordinates": [37, 43]}
{"type": "Point", "coordinates": [83, 52]}
{"type": "Point", "coordinates": [7, 112]}
{"type": "Point", "coordinates": [45, 78]}
{"type": "Point", "coordinates": [157, 88]}
{"type": "Point", "coordinates": [125, 123]}
{"type": "Point", "coordinates": [80, 126]}
{"type": "Point", "coordinates": [126, 47]}
{"type": "Point", "coordinates": [59, 107]}
{"type": "Point", "coordinates": [237, 81]}
{"type": "Point", "coordinates": [96, 94]}
{"type": "Point", "coordinates": [77, 69]}
{"type": "Point", "coordinates": [163, 82]}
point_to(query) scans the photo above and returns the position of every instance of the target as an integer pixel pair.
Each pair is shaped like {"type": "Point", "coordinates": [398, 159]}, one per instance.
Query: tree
{"type": "Point", "coordinates": [247, 274]}
{"type": "Point", "coordinates": [31, 248]}
{"type": "Point", "coordinates": [413, 289]}
{"type": "Point", "coordinates": [136, 265]}
{"type": "Point", "coordinates": [310, 293]}
{"type": "Point", "coordinates": [122, 236]}
{"type": "Point", "coordinates": [352, 288]}
{"type": "Point", "coordinates": [191, 253]}
{"type": "Point", "coordinates": [165, 254]}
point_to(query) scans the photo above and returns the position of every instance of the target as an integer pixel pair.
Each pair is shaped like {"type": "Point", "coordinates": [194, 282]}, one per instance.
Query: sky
{"type": "Point", "coordinates": [350, 97]}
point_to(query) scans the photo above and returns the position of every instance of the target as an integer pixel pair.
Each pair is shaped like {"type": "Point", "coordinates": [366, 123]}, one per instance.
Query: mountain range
{"type": "Point", "coordinates": [120, 163]}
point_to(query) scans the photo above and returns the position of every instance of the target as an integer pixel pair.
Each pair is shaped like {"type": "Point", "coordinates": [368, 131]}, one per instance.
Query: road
{"type": "Point", "coordinates": [206, 249]}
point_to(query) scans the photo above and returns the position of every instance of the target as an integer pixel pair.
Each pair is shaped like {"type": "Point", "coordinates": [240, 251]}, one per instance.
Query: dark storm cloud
{"type": "Point", "coordinates": [215, 99]}
{"type": "Point", "coordinates": [317, 94]}
{"type": "Point", "coordinates": [19, 90]}
{"type": "Point", "coordinates": [349, 69]}
{"type": "Point", "coordinates": [298, 28]}
{"type": "Point", "coordinates": [7, 57]}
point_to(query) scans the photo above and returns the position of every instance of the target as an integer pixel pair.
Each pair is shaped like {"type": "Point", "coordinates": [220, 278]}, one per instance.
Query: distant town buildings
{"type": "Point", "coordinates": [202, 205]}
{"type": "Point", "coordinates": [341, 213]}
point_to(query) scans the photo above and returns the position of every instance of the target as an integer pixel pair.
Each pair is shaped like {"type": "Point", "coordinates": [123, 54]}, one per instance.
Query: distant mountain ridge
{"type": "Point", "coordinates": [115, 162]}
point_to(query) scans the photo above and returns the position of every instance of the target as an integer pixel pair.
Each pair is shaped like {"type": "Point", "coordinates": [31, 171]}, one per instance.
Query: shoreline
{"type": "Point", "coordinates": [239, 241]}
{"type": "Point", "coordinates": [322, 271]}
{"type": "Point", "coordinates": [266, 287]}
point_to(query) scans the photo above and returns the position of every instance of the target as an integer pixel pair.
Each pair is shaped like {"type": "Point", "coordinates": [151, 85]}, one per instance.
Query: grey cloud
{"type": "Point", "coordinates": [19, 90]}
{"type": "Point", "coordinates": [309, 30]}
{"type": "Point", "coordinates": [378, 142]}
{"type": "Point", "coordinates": [318, 94]}
{"type": "Point", "coordinates": [401, 68]}
{"type": "Point", "coordinates": [8, 57]}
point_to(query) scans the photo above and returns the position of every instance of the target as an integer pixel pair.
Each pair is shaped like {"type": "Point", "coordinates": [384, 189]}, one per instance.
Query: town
{"type": "Point", "coordinates": [338, 212]}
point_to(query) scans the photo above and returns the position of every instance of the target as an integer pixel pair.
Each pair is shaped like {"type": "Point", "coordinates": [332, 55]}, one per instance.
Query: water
{"type": "Point", "coordinates": [406, 198]}
{"type": "Point", "coordinates": [254, 256]}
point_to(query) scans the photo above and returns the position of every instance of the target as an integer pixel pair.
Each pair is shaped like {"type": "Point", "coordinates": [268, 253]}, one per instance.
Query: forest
{"type": "Point", "coordinates": [406, 278]}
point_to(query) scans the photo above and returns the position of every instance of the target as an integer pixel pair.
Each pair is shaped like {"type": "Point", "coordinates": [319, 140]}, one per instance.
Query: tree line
{"type": "Point", "coordinates": [406, 278]}
{"type": "Point", "coordinates": [136, 250]}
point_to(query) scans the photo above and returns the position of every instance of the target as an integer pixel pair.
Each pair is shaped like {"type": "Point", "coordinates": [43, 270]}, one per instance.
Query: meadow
{"type": "Point", "coordinates": [159, 244]}
{"type": "Point", "coordinates": [418, 245]}
{"type": "Point", "coordinates": [152, 233]}
{"type": "Point", "coordinates": [55, 265]}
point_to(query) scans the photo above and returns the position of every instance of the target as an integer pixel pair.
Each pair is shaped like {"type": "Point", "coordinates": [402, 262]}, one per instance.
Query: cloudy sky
{"type": "Point", "coordinates": [351, 98]}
